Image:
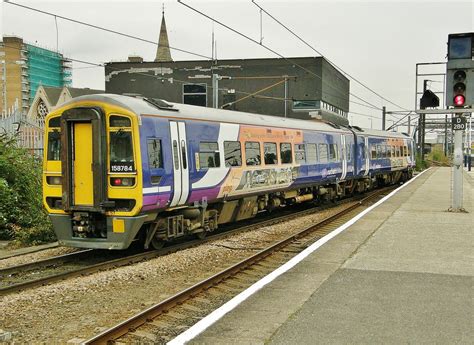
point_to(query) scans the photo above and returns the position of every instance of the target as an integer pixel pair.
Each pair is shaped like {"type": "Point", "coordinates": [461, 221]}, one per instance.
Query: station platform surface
{"type": "Point", "coordinates": [403, 273]}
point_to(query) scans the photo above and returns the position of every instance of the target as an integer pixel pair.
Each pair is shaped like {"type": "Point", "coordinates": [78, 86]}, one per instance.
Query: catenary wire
{"type": "Point", "coordinates": [270, 50]}
{"type": "Point", "coordinates": [331, 62]}
{"type": "Point", "coordinates": [178, 49]}
{"type": "Point", "coordinates": [104, 29]}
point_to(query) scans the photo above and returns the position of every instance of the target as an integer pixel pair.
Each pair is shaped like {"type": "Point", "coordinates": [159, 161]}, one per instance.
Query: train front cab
{"type": "Point", "coordinates": [91, 176]}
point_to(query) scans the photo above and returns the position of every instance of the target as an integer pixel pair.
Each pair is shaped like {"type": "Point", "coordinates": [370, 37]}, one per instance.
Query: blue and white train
{"type": "Point", "coordinates": [119, 169]}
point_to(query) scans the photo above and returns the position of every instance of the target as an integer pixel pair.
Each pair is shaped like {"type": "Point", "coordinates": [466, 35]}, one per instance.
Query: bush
{"type": "Point", "coordinates": [22, 217]}
{"type": "Point", "coordinates": [438, 157]}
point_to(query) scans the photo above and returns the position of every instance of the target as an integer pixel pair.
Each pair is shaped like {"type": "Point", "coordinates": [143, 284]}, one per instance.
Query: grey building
{"type": "Point", "coordinates": [278, 87]}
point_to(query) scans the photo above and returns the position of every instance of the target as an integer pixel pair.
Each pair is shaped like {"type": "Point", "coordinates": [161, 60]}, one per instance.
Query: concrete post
{"type": "Point", "coordinates": [384, 114]}
{"type": "Point", "coordinates": [457, 172]}
{"type": "Point", "coordinates": [215, 90]}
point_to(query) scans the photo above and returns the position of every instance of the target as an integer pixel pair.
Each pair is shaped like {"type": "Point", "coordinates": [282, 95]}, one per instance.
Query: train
{"type": "Point", "coordinates": [119, 170]}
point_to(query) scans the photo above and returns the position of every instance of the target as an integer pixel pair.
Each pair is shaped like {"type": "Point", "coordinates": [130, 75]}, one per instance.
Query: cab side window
{"type": "Point", "coordinates": [155, 154]}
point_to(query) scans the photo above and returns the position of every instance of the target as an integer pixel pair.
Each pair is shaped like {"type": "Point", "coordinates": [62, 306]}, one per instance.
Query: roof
{"type": "Point", "coordinates": [52, 93]}
{"type": "Point", "coordinates": [76, 92]}
{"type": "Point", "coordinates": [185, 111]}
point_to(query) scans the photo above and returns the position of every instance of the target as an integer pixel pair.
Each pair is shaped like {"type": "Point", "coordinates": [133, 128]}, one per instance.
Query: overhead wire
{"type": "Point", "coordinates": [105, 29]}
{"type": "Point", "coordinates": [161, 78]}
{"type": "Point", "coordinates": [368, 104]}
{"type": "Point", "coordinates": [129, 36]}
{"type": "Point", "coordinates": [271, 50]}
{"type": "Point", "coordinates": [321, 54]}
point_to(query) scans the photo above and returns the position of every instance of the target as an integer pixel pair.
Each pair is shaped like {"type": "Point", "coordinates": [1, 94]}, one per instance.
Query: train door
{"type": "Point", "coordinates": [344, 157]}
{"type": "Point", "coordinates": [82, 174]}
{"type": "Point", "coordinates": [180, 163]}
{"type": "Point", "coordinates": [367, 157]}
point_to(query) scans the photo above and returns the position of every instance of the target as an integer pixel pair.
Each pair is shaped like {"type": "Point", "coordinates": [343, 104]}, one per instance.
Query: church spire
{"type": "Point", "coordinates": [163, 53]}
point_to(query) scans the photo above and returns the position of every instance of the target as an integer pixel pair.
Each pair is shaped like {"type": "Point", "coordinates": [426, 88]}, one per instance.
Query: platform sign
{"type": "Point", "coordinates": [459, 123]}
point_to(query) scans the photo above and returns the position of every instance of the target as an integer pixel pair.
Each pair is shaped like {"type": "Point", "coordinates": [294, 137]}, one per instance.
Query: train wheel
{"type": "Point", "coordinates": [157, 243]}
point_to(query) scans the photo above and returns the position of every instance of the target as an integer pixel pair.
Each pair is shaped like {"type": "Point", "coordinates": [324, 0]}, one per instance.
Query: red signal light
{"type": "Point", "coordinates": [117, 182]}
{"type": "Point", "coordinates": [459, 100]}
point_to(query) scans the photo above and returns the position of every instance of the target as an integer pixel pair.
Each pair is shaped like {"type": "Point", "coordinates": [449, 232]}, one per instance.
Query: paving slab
{"type": "Point", "coordinates": [401, 274]}
{"type": "Point", "coordinates": [367, 307]}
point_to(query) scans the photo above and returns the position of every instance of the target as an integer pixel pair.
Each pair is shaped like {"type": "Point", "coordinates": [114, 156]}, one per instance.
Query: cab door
{"type": "Point", "coordinates": [82, 174]}
{"type": "Point", "coordinates": [180, 163]}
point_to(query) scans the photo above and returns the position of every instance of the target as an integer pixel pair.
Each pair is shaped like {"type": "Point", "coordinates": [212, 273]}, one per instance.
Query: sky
{"type": "Point", "coordinates": [378, 42]}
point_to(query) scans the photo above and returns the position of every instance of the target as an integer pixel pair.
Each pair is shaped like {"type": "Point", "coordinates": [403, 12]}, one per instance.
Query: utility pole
{"type": "Point", "coordinates": [446, 135]}
{"type": "Point", "coordinates": [458, 126]}
{"type": "Point", "coordinates": [384, 114]}
{"type": "Point", "coordinates": [286, 96]}
{"type": "Point", "coordinates": [215, 90]}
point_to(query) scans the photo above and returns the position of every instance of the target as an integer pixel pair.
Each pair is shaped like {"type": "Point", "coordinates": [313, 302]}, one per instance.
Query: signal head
{"type": "Point", "coordinates": [459, 100]}
{"type": "Point", "coordinates": [459, 75]}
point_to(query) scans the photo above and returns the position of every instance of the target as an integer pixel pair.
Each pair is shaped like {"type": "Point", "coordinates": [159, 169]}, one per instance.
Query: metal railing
{"type": "Point", "coordinates": [29, 132]}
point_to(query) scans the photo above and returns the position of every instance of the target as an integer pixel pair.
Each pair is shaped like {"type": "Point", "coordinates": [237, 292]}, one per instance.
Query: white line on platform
{"type": "Point", "coordinates": [210, 319]}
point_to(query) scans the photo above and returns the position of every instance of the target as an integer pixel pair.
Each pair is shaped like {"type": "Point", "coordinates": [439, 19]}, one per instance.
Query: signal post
{"type": "Point", "coordinates": [459, 95]}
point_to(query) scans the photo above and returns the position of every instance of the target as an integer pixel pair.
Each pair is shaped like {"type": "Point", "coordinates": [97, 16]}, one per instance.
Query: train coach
{"type": "Point", "coordinates": [119, 169]}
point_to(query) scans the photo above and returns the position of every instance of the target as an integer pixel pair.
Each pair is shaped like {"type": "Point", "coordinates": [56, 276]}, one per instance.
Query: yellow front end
{"type": "Point", "coordinates": [92, 177]}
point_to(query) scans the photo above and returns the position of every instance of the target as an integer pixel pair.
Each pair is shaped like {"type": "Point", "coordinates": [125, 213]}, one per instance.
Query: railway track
{"type": "Point", "coordinates": [165, 320]}
{"type": "Point", "coordinates": [54, 269]}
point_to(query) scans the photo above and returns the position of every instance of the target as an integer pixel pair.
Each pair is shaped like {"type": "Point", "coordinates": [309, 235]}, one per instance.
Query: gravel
{"type": "Point", "coordinates": [78, 308]}
{"type": "Point", "coordinates": [32, 257]}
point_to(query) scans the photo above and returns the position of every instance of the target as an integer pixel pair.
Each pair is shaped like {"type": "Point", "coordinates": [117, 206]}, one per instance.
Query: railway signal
{"type": "Point", "coordinates": [459, 95]}
{"type": "Point", "coordinates": [460, 71]}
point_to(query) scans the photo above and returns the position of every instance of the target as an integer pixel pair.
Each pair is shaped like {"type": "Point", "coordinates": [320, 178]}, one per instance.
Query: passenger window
{"type": "Point", "coordinates": [300, 154]}
{"type": "Point", "coordinates": [311, 153]}
{"type": "Point", "coordinates": [270, 153]}
{"type": "Point", "coordinates": [175, 155]}
{"type": "Point", "coordinates": [252, 153]}
{"type": "Point", "coordinates": [285, 153]}
{"type": "Point", "coordinates": [155, 155]}
{"type": "Point", "coordinates": [54, 145]}
{"type": "Point", "coordinates": [379, 151]}
{"type": "Point", "coordinates": [349, 152]}
{"type": "Point", "coordinates": [232, 154]}
{"type": "Point", "coordinates": [333, 156]}
{"type": "Point", "coordinates": [323, 153]}
{"type": "Point", "coordinates": [374, 151]}
{"type": "Point", "coordinates": [209, 155]}
{"type": "Point", "coordinates": [183, 154]}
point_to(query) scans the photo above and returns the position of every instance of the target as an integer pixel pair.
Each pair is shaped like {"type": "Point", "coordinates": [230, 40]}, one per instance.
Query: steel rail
{"type": "Point", "coordinates": [132, 259]}
{"type": "Point", "coordinates": [135, 258]}
{"type": "Point", "coordinates": [150, 313]}
{"type": "Point", "coordinates": [44, 263]}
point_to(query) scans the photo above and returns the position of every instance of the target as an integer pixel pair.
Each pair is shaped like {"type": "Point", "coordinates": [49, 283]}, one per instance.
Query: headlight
{"type": "Point", "coordinates": [122, 181]}
{"type": "Point", "coordinates": [54, 180]}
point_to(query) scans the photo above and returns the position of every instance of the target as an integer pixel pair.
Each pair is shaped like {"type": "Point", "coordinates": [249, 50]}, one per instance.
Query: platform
{"type": "Point", "coordinates": [401, 274]}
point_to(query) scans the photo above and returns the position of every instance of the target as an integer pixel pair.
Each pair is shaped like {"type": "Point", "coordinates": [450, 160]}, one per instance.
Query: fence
{"type": "Point", "coordinates": [29, 132]}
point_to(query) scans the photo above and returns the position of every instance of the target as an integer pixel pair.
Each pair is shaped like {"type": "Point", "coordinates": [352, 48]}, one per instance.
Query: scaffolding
{"type": "Point", "coordinates": [47, 68]}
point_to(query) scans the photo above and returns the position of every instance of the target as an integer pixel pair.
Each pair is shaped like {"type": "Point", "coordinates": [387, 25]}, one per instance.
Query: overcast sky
{"type": "Point", "coordinates": [378, 42]}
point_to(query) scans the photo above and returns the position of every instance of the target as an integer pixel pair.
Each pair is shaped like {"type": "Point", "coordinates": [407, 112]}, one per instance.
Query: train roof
{"type": "Point", "coordinates": [143, 106]}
